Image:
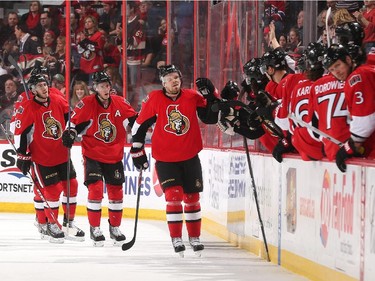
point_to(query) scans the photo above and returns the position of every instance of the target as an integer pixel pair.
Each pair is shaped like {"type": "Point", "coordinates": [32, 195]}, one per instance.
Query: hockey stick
{"type": "Point", "coordinates": [127, 246]}
{"type": "Point", "coordinates": [315, 130]}
{"type": "Point", "coordinates": [328, 15]}
{"type": "Point", "coordinates": [35, 181]}
{"type": "Point", "coordinates": [19, 71]}
{"type": "Point", "coordinates": [256, 197]}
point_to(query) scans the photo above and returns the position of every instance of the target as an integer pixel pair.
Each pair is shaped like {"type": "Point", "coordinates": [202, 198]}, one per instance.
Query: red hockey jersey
{"type": "Point", "coordinates": [177, 135]}
{"type": "Point", "coordinates": [103, 138]}
{"type": "Point", "coordinates": [47, 124]}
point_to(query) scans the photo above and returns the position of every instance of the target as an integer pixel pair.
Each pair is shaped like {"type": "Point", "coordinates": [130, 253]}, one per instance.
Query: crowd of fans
{"type": "Point", "coordinates": [37, 39]}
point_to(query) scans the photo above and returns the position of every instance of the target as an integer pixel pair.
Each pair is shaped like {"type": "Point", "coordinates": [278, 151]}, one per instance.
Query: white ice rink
{"type": "Point", "coordinates": [24, 256]}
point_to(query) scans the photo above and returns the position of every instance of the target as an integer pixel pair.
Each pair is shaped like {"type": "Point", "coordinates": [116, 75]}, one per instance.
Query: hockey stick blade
{"type": "Point", "coordinates": [19, 71]}
{"type": "Point", "coordinates": [127, 246]}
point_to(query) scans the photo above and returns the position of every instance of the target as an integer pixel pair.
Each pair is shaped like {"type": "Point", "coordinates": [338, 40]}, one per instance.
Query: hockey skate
{"type": "Point", "coordinates": [42, 229]}
{"type": "Point", "coordinates": [97, 236]}
{"type": "Point", "coordinates": [197, 245]}
{"type": "Point", "coordinates": [73, 232]}
{"type": "Point", "coordinates": [116, 235]}
{"type": "Point", "coordinates": [178, 246]}
{"type": "Point", "coordinates": [55, 233]}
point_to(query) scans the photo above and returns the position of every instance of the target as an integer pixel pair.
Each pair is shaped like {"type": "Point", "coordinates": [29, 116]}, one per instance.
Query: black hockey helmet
{"type": "Point", "coordinates": [167, 69]}
{"type": "Point", "coordinates": [100, 77]}
{"type": "Point", "coordinates": [34, 80]}
{"type": "Point", "coordinates": [350, 32]}
{"type": "Point", "coordinates": [275, 59]}
{"type": "Point", "coordinates": [251, 70]}
{"type": "Point", "coordinates": [230, 91]}
{"type": "Point", "coordinates": [334, 53]}
{"type": "Point", "coordinates": [301, 63]}
{"type": "Point", "coordinates": [314, 55]}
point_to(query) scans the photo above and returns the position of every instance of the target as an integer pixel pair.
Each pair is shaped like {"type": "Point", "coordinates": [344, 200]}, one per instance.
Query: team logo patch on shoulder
{"type": "Point", "coordinates": [20, 110]}
{"type": "Point", "coordinates": [80, 104]}
{"type": "Point", "coordinates": [355, 79]}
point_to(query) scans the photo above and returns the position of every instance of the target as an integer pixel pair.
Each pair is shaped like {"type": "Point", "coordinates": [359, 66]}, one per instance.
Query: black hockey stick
{"type": "Point", "coordinates": [19, 71]}
{"type": "Point", "coordinates": [35, 181]}
{"type": "Point", "coordinates": [256, 197]}
{"type": "Point", "coordinates": [127, 246]}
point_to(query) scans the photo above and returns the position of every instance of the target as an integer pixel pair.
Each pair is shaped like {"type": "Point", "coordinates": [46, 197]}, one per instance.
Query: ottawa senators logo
{"type": "Point", "coordinates": [53, 128]}
{"type": "Point", "coordinates": [86, 48]}
{"type": "Point", "coordinates": [177, 123]}
{"type": "Point", "coordinates": [107, 131]}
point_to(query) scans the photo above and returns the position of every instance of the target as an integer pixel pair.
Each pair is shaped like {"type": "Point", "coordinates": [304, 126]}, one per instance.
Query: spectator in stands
{"type": "Point", "coordinates": [300, 25]}
{"type": "Point", "coordinates": [32, 18]}
{"type": "Point", "coordinates": [30, 48]}
{"type": "Point", "coordinates": [109, 17]}
{"type": "Point", "coordinates": [58, 82]}
{"type": "Point", "coordinates": [91, 48]}
{"type": "Point", "coordinates": [10, 96]}
{"type": "Point", "coordinates": [7, 31]}
{"type": "Point", "coordinates": [84, 11]}
{"type": "Point", "coordinates": [46, 23]}
{"type": "Point", "coordinates": [367, 19]}
{"type": "Point", "coordinates": [274, 11]}
{"type": "Point", "coordinates": [283, 41]}
{"type": "Point", "coordinates": [115, 78]}
{"type": "Point", "coordinates": [136, 43]}
{"type": "Point", "coordinates": [80, 90]}
{"type": "Point", "coordinates": [49, 39]}
{"type": "Point", "coordinates": [294, 40]}
{"type": "Point", "coordinates": [56, 62]}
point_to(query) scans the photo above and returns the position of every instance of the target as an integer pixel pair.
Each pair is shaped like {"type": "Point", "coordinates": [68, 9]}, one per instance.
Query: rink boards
{"type": "Point", "coordinates": [318, 221]}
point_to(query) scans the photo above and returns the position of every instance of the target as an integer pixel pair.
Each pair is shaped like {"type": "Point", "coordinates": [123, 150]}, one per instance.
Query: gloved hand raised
{"type": "Point", "coordinates": [139, 157]}
{"type": "Point", "coordinates": [348, 150]}
{"type": "Point", "coordinates": [68, 137]}
{"type": "Point", "coordinates": [206, 88]}
{"type": "Point", "coordinates": [23, 162]}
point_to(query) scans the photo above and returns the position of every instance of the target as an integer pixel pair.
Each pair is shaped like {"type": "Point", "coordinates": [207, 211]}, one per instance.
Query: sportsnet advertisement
{"type": "Point", "coordinates": [17, 188]}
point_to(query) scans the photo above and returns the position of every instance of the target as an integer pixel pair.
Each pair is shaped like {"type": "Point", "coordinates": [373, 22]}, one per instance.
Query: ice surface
{"type": "Point", "coordinates": [24, 256]}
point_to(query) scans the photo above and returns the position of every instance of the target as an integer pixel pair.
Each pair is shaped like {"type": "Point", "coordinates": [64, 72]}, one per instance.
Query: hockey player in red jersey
{"type": "Point", "coordinates": [41, 218]}
{"type": "Point", "coordinates": [359, 92]}
{"type": "Point", "coordinates": [308, 144]}
{"type": "Point", "coordinates": [101, 119]}
{"type": "Point", "coordinates": [39, 125]}
{"type": "Point", "coordinates": [176, 142]}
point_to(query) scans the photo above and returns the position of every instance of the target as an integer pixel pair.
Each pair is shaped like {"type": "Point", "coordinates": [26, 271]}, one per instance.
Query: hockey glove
{"type": "Point", "coordinates": [228, 120]}
{"type": "Point", "coordinates": [206, 88]}
{"type": "Point", "coordinates": [68, 137]}
{"type": "Point", "coordinates": [230, 91]}
{"type": "Point", "coordinates": [246, 87]}
{"type": "Point", "coordinates": [348, 150]}
{"type": "Point", "coordinates": [265, 105]}
{"type": "Point", "coordinates": [283, 146]}
{"type": "Point", "coordinates": [24, 162]}
{"type": "Point", "coordinates": [139, 157]}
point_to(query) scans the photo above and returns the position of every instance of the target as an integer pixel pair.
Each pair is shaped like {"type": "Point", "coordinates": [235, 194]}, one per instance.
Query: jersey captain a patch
{"type": "Point", "coordinates": [178, 123]}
